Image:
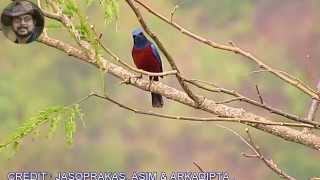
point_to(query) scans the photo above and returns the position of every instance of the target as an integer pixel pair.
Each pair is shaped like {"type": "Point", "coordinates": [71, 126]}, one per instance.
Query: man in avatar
{"type": "Point", "coordinates": [25, 19]}
{"type": "Point", "coordinates": [24, 26]}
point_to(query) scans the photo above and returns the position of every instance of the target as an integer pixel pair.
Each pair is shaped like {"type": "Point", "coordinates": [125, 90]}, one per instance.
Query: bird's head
{"type": "Point", "coordinates": [139, 39]}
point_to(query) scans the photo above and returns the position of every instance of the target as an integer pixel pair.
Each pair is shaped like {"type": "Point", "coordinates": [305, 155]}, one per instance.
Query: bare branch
{"type": "Point", "coordinates": [309, 140]}
{"type": "Point", "coordinates": [194, 119]}
{"type": "Point", "coordinates": [257, 153]}
{"type": "Point", "coordinates": [199, 168]}
{"type": "Point", "coordinates": [233, 48]}
{"type": "Point", "coordinates": [313, 107]}
{"type": "Point", "coordinates": [233, 93]}
{"type": "Point", "coordinates": [243, 98]}
{"type": "Point", "coordinates": [268, 162]}
{"type": "Point", "coordinates": [173, 12]}
{"type": "Point", "coordinates": [230, 100]}
{"type": "Point", "coordinates": [259, 95]}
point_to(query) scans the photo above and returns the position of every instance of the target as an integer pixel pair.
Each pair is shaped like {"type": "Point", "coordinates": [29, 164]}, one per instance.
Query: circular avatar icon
{"type": "Point", "coordinates": [22, 22]}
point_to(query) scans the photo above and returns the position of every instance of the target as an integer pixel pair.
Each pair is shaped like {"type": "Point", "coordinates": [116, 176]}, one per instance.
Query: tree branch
{"type": "Point", "coordinates": [194, 119]}
{"type": "Point", "coordinates": [233, 48]}
{"type": "Point", "coordinates": [257, 153]}
{"type": "Point", "coordinates": [243, 98]}
{"type": "Point", "coordinates": [224, 113]}
{"type": "Point", "coordinates": [309, 140]}
{"type": "Point", "coordinates": [268, 162]}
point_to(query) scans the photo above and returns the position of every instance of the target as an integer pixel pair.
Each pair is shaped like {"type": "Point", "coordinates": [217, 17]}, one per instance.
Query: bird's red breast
{"type": "Point", "coordinates": [144, 59]}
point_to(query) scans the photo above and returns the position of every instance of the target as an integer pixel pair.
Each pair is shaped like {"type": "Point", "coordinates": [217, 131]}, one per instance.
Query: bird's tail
{"type": "Point", "coordinates": [157, 100]}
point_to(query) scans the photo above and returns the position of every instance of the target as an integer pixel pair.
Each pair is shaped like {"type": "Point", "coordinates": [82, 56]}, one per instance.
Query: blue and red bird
{"type": "Point", "coordinates": [146, 57]}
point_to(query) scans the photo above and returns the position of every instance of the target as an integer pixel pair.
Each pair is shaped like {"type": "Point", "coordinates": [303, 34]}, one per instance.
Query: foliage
{"type": "Point", "coordinates": [110, 8]}
{"type": "Point", "coordinates": [85, 29]}
{"type": "Point", "coordinates": [71, 8]}
{"type": "Point", "coordinates": [53, 115]}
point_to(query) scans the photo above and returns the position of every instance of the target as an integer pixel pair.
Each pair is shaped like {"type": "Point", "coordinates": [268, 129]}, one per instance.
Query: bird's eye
{"type": "Point", "coordinates": [140, 33]}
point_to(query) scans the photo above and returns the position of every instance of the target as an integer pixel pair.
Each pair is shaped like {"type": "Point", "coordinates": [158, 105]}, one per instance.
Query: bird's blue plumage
{"type": "Point", "coordinates": [156, 54]}
{"type": "Point", "coordinates": [139, 39]}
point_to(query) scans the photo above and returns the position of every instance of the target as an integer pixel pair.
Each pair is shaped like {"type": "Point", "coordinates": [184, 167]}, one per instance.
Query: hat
{"type": "Point", "coordinates": [21, 7]}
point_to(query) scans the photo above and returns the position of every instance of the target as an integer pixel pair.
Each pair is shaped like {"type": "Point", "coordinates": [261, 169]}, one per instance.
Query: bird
{"type": "Point", "coordinates": [146, 57]}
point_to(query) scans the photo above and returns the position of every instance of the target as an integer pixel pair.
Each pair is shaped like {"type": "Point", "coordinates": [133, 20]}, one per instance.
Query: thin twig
{"type": "Point", "coordinates": [201, 81]}
{"type": "Point", "coordinates": [298, 81]}
{"type": "Point", "coordinates": [258, 71]}
{"type": "Point", "coordinates": [217, 89]}
{"type": "Point", "coordinates": [197, 119]}
{"type": "Point", "coordinates": [197, 165]}
{"type": "Point", "coordinates": [173, 12]}
{"type": "Point", "coordinates": [52, 15]}
{"type": "Point", "coordinates": [268, 162]}
{"type": "Point", "coordinates": [237, 134]}
{"type": "Point", "coordinates": [230, 100]}
{"type": "Point", "coordinates": [259, 95]}
{"type": "Point", "coordinates": [257, 152]}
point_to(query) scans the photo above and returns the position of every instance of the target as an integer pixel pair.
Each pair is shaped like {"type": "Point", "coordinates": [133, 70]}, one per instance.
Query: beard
{"type": "Point", "coordinates": [23, 32]}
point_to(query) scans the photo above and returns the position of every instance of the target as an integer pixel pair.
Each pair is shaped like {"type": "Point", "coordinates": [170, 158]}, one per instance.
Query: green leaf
{"type": "Point", "coordinates": [53, 126]}
{"type": "Point", "coordinates": [111, 10]}
{"type": "Point", "coordinates": [52, 115]}
{"type": "Point", "coordinates": [70, 128]}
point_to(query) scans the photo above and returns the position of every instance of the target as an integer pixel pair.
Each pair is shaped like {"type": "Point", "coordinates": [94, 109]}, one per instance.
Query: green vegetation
{"type": "Point", "coordinates": [35, 77]}
{"type": "Point", "coordinates": [53, 116]}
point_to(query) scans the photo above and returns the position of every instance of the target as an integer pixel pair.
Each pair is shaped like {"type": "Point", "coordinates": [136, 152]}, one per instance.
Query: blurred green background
{"type": "Point", "coordinates": [284, 34]}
